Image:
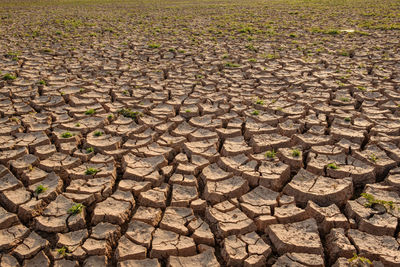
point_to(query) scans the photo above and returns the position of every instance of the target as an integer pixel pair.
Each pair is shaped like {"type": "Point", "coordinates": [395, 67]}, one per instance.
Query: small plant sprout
{"type": "Point", "coordinates": [62, 93]}
{"type": "Point", "coordinates": [77, 124]}
{"type": "Point", "coordinates": [255, 112]}
{"type": "Point", "coordinates": [347, 119]}
{"type": "Point", "coordinates": [232, 65]}
{"type": "Point", "coordinates": [332, 166]}
{"type": "Point", "coordinates": [110, 116]}
{"type": "Point", "coordinates": [344, 99]}
{"type": "Point", "coordinates": [361, 88]}
{"type": "Point", "coordinates": [91, 171]}
{"type": "Point", "coordinates": [9, 77]}
{"type": "Point", "coordinates": [125, 92]}
{"type": "Point", "coordinates": [356, 260]}
{"type": "Point", "coordinates": [40, 189]}
{"type": "Point", "coordinates": [75, 209]}
{"type": "Point", "coordinates": [188, 111]}
{"type": "Point", "coordinates": [371, 200]}
{"type": "Point", "coordinates": [42, 82]}
{"type": "Point", "coordinates": [98, 133]}
{"type": "Point", "coordinates": [373, 157]}
{"type": "Point", "coordinates": [259, 101]}
{"type": "Point", "coordinates": [62, 251]}
{"type": "Point", "coordinates": [295, 153]}
{"type": "Point", "coordinates": [66, 135]}
{"type": "Point", "coordinates": [129, 113]}
{"type": "Point", "coordinates": [90, 112]}
{"type": "Point", "coordinates": [153, 45]}
{"type": "Point", "coordinates": [89, 150]}
{"type": "Point", "coordinates": [270, 154]}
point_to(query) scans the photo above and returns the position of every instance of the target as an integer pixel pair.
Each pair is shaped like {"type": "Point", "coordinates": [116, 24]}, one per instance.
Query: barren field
{"type": "Point", "coordinates": [200, 133]}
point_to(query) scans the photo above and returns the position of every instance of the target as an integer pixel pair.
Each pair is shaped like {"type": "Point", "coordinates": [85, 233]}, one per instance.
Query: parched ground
{"type": "Point", "coordinates": [200, 133]}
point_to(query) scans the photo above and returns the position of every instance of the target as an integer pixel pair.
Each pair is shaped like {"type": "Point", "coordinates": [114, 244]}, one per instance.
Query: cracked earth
{"type": "Point", "coordinates": [200, 134]}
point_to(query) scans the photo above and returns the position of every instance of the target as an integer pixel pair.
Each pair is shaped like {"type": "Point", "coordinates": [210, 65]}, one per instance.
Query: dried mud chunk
{"type": "Point", "coordinates": [7, 260]}
{"type": "Point", "coordinates": [106, 210]}
{"type": "Point", "coordinates": [175, 219]}
{"type": "Point", "coordinates": [140, 169]}
{"type": "Point", "coordinates": [72, 239]}
{"type": "Point", "coordinates": [31, 140]}
{"type": "Point", "coordinates": [98, 261]}
{"type": "Point", "coordinates": [235, 146]}
{"type": "Point", "coordinates": [377, 158]}
{"type": "Point", "coordinates": [225, 133]}
{"type": "Point", "coordinates": [96, 247]}
{"type": "Point", "coordinates": [183, 179]}
{"type": "Point", "coordinates": [156, 197]}
{"type": "Point", "coordinates": [232, 222]}
{"type": "Point", "coordinates": [135, 187]}
{"type": "Point", "coordinates": [139, 232]}
{"type": "Point", "coordinates": [148, 215]}
{"type": "Point", "coordinates": [201, 232]}
{"type": "Point", "coordinates": [127, 250]}
{"type": "Point", "coordinates": [153, 150]}
{"type": "Point", "coordinates": [355, 136]}
{"type": "Point", "coordinates": [205, 148]}
{"type": "Point", "coordinates": [327, 217]}
{"type": "Point", "coordinates": [338, 245]}
{"type": "Point", "coordinates": [40, 260]}
{"type": "Point", "coordinates": [88, 171]}
{"type": "Point", "coordinates": [7, 218]}
{"type": "Point", "coordinates": [308, 140]}
{"type": "Point", "coordinates": [30, 246]}
{"type": "Point", "coordinates": [12, 199]}
{"type": "Point", "coordinates": [374, 247]}
{"type": "Point", "coordinates": [258, 201]}
{"type": "Point", "coordinates": [166, 243]}
{"type": "Point", "coordinates": [321, 190]}
{"type": "Point", "coordinates": [10, 155]}
{"type": "Point", "coordinates": [202, 134]}
{"type": "Point", "coordinates": [182, 195]}
{"type": "Point", "coordinates": [139, 263]}
{"type": "Point", "coordinates": [10, 237]}
{"type": "Point", "coordinates": [253, 127]}
{"type": "Point", "coordinates": [213, 173]}
{"type": "Point", "coordinates": [245, 250]}
{"type": "Point", "coordinates": [264, 142]}
{"type": "Point", "coordinates": [53, 185]}
{"type": "Point", "coordinates": [360, 172]}
{"type": "Point", "coordinates": [229, 188]}
{"type": "Point", "coordinates": [290, 157]}
{"type": "Point", "coordinates": [204, 259]}
{"type": "Point", "coordinates": [94, 189]}
{"type": "Point", "coordinates": [290, 213]}
{"type": "Point", "coordinates": [26, 162]}
{"type": "Point", "coordinates": [299, 260]}
{"type": "Point", "coordinates": [106, 231]}
{"type": "Point", "coordinates": [59, 162]}
{"type": "Point", "coordinates": [270, 174]}
{"type": "Point", "coordinates": [7, 180]}
{"type": "Point", "coordinates": [301, 237]}
{"type": "Point", "coordinates": [56, 216]}
{"type": "Point", "coordinates": [65, 263]}
{"type": "Point", "coordinates": [377, 219]}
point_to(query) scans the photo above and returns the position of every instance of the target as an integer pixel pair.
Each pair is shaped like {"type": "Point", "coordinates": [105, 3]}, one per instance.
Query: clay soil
{"type": "Point", "coordinates": [200, 133]}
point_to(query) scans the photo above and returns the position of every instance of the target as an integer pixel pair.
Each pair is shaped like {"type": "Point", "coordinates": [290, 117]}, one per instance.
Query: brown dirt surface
{"type": "Point", "coordinates": [199, 133]}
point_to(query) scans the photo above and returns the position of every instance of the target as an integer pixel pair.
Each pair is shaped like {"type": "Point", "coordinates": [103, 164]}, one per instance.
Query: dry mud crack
{"type": "Point", "coordinates": [209, 133]}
